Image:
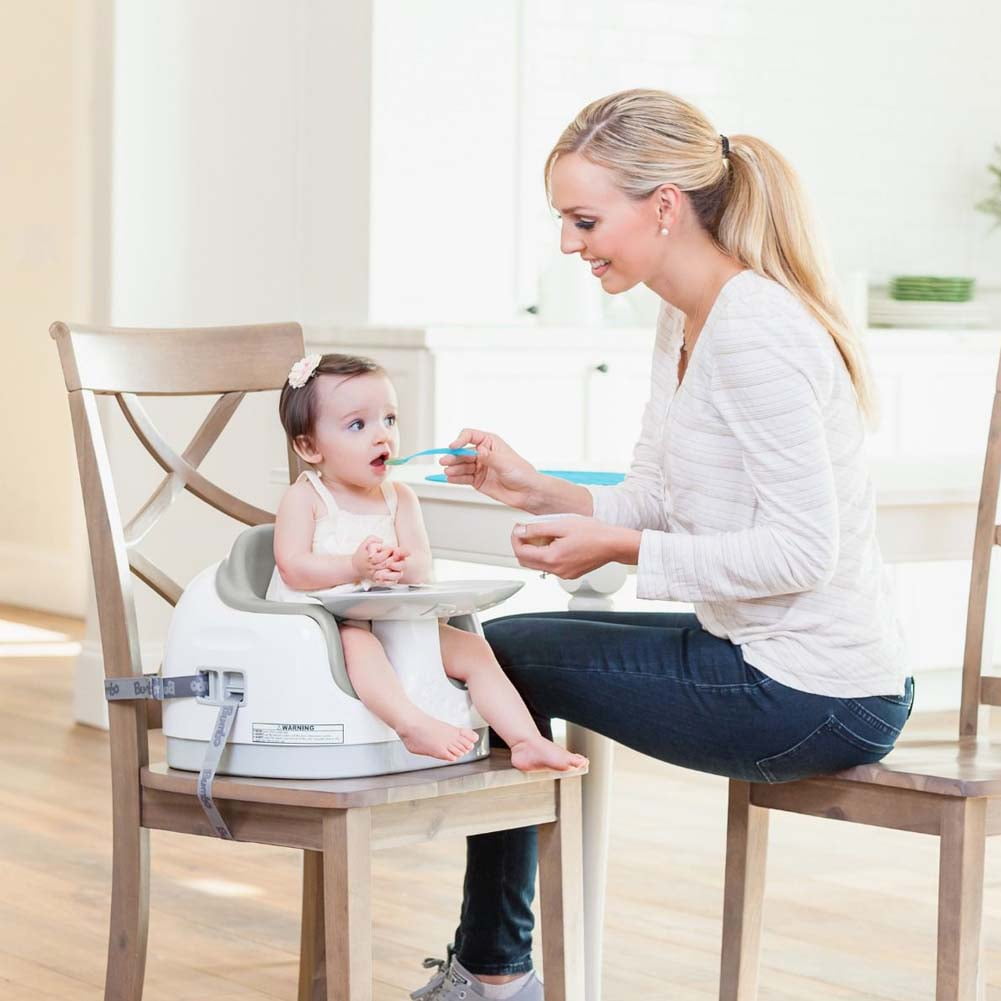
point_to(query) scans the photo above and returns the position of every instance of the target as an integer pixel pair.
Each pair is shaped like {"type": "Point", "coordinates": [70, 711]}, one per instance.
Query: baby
{"type": "Point", "coordinates": [342, 523]}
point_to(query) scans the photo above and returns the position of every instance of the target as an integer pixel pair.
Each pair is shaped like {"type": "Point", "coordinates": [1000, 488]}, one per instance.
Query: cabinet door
{"type": "Point", "coordinates": [935, 392]}
{"type": "Point", "coordinates": [555, 407]}
{"type": "Point", "coordinates": [618, 386]}
{"type": "Point", "coordinates": [535, 400]}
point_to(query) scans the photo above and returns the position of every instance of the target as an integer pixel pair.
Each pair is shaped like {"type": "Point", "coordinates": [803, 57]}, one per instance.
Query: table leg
{"type": "Point", "coordinates": [596, 789]}
{"type": "Point", "coordinates": [594, 591]}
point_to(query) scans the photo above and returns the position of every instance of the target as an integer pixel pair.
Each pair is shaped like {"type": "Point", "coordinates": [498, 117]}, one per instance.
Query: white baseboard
{"type": "Point", "coordinates": [47, 580]}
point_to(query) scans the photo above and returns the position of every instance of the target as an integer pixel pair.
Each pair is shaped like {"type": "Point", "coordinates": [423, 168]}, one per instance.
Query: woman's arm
{"type": "Point", "coordinates": [768, 390]}
{"type": "Point", "coordinates": [300, 567]}
{"type": "Point", "coordinates": [412, 536]}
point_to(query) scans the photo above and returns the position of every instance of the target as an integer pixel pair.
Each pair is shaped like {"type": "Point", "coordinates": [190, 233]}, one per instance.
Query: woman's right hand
{"type": "Point", "coordinates": [497, 470]}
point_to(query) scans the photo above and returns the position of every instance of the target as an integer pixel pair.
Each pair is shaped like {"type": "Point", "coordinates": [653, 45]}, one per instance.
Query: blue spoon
{"type": "Point", "coordinates": [431, 451]}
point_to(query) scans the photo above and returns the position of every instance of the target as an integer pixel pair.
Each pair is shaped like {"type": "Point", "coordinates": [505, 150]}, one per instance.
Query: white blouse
{"type": "Point", "coordinates": [750, 484]}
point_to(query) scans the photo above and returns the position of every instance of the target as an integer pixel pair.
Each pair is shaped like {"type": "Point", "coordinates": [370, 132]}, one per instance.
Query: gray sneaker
{"type": "Point", "coordinates": [448, 984]}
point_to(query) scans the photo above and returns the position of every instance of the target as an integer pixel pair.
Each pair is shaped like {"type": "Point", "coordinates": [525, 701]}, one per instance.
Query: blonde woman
{"type": "Point", "coordinates": [748, 495]}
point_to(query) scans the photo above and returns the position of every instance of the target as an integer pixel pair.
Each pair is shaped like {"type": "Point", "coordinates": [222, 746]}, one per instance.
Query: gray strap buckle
{"type": "Point", "coordinates": [152, 686]}
{"type": "Point", "coordinates": [187, 686]}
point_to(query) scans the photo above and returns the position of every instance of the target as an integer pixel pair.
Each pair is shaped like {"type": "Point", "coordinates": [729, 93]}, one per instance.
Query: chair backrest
{"type": "Point", "coordinates": [128, 364]}
{"type": "Point", "coordinates": [979, 687]}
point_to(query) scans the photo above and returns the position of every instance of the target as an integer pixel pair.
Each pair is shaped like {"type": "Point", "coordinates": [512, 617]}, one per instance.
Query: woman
{"type": "Point", "coordinates": [747, 495]}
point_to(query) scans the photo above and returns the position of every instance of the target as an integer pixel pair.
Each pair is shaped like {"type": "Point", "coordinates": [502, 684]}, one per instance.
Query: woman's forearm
{"type": "Point", "coordinates": [552, 495]}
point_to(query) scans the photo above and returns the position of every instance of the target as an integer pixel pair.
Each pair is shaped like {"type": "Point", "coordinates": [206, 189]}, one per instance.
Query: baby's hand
{"type": "Point", "coordinates": [368, 557]}
{"type": "Point", "coordinates": [390, 568]}
{"type": "Point", "coordinates": [373, 560]}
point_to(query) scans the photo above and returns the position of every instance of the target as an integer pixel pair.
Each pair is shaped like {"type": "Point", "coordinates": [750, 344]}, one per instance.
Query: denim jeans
{"type": "Point", "coordinates": [661, 684]}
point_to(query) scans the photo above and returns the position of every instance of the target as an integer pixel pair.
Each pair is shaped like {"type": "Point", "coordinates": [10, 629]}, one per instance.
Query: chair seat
{"type": "Point", "coordinates": [969, 767]}
{"type": "Point", "coordinates": [492, 772]}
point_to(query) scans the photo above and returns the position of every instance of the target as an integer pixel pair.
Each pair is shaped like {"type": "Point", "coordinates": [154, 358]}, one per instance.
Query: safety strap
{"type": "Point", "coordinates": [220, 734]}
{"type": "Point", "coordinates": [187, 686]}
{"type": "Point", "coordinates": [152, 686]}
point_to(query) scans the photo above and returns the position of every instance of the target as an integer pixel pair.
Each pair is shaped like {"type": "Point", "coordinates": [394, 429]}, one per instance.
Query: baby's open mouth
{"type": "Point", "coordinates": [380, 460]}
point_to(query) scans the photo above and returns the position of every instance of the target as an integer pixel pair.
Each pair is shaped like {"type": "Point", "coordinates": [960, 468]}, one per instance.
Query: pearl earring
{"type": "Point", "coordinates": [664, 231]}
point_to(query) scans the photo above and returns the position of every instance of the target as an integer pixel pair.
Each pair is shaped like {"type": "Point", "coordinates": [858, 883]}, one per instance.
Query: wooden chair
{"type": "Point", "coordinates": [950, 788]}
{"type": "Point", "coordinates": [337, 824]}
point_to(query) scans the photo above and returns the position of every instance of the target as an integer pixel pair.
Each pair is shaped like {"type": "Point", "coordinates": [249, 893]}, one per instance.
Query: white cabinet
{"type": "Point", "coordinates": [935, 391]}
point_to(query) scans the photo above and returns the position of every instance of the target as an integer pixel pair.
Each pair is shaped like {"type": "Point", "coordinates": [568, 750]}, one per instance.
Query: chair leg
{"type": "Point", "coordinates": [561, 895]}
{"type": "Point", "coordinates": [743, 892]}
{"type": "Point", "coordinates": [960, 900]}
{"type": "Point", "coordinates": [347, 906]}
{"type": "Point", "coordinates": [129, 912]}
{"type": "Point", "coordinates": [312, 952]}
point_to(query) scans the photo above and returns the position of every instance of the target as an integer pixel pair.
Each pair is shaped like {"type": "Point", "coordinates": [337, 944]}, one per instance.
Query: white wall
{"type": "Point", "coordinates": [445, 149]}
{"type": "Point", "coordinates": [44, 254]}
{"type": "Point", "coordinates": [314, 161]}
{"type": "Point", "coordinates": [889, 111]}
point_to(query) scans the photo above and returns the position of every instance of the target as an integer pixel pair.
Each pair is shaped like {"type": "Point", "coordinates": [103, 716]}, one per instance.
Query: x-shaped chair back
{"type": "Point", "coordinates": [128, 365]}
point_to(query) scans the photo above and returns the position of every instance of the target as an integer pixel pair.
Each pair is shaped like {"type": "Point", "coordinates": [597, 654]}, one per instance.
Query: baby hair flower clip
{"type": "Point", "coordinates": [301, 372]}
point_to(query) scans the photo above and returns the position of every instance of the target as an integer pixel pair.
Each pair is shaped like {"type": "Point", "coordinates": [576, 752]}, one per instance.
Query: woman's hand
{"type": "Point", "coordinates": [497, 470]}
{"type": "Point", "coordinates": [576, 546]}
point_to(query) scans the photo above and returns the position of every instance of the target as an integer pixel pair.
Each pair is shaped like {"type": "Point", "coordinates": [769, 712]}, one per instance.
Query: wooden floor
{"type": "Point", "coordinates": [849, 912]}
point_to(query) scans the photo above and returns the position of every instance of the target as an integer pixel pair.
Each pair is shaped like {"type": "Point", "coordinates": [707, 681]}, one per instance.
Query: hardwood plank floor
{"type": "Point", "coordinates": [849, 911]}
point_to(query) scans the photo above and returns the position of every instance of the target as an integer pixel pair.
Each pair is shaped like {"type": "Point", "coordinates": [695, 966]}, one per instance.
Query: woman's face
{"type": "Point", "coordinates": [617, 235]}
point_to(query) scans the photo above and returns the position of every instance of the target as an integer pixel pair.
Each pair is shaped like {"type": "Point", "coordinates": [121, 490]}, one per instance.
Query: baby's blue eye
{"type": "Point", "coordinates": [390, 420]}
{"type": "Point", "coordinates": [585, 224]}
{"type": "Point", "coordinates": [356, 425]}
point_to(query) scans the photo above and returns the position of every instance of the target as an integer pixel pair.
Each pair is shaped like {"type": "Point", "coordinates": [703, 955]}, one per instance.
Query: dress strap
{"type": "Point", "coordinates": [325, 495]}
{"type": "Point", "coordinates": [389, 492]}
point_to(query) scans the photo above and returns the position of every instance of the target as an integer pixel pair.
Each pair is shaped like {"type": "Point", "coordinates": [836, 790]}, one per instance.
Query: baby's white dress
{"type": "Point", "coordinates": [339, 533]}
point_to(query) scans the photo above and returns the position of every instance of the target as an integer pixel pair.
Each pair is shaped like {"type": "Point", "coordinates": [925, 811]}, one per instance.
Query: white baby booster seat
{"type": "Point", "coordinates": [282, 665]}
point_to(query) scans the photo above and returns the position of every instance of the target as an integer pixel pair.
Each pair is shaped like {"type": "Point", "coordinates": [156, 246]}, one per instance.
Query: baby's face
{"type": "Point", "coordinates": [355, 428]}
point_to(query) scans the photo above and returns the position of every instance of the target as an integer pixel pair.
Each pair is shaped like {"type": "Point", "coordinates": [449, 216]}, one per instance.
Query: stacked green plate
{"type": "Point", "coordinates": [929, 288]}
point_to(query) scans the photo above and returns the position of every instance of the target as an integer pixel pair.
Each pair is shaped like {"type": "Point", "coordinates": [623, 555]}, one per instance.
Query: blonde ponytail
{"type": "Point", "coordinates": [750, 200]}
{"type": "Point", "coordinates": [765, 224]}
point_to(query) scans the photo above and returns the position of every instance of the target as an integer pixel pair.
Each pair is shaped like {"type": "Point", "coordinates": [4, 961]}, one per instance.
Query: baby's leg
{"type": "Point", "coordinates": [380, 690]}
{"type": "Point", "coordinates": [467, 657]}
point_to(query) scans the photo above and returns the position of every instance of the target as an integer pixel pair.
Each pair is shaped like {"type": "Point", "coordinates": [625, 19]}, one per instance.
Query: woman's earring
{"type": "Point", "coordinates": [664, 231]}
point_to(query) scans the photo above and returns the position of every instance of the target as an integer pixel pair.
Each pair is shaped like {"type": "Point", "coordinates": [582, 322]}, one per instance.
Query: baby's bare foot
{"type": "Point", "coordinates": [538, 753]}
{"type": "Point", "coordinates": [423, 734]}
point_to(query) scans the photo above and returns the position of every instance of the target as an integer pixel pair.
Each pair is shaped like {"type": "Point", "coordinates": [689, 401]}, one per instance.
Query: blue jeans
{"type": "Point", "coordinates": [659, 683]}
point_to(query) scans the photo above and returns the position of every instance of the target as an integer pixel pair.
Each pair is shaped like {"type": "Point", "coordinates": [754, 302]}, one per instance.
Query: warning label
{"type": "Point", "coordinates": [298, 733]}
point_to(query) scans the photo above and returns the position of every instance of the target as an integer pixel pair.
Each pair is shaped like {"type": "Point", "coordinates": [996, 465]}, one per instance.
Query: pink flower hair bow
{"type": "Point", "coordinates": [301, 372]}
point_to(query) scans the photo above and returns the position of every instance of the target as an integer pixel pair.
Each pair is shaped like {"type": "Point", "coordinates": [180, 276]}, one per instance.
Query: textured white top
{"type": "Point", "coordinates": [750, 483]}
{"type": "Point", "coordinates": [339, 533]}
